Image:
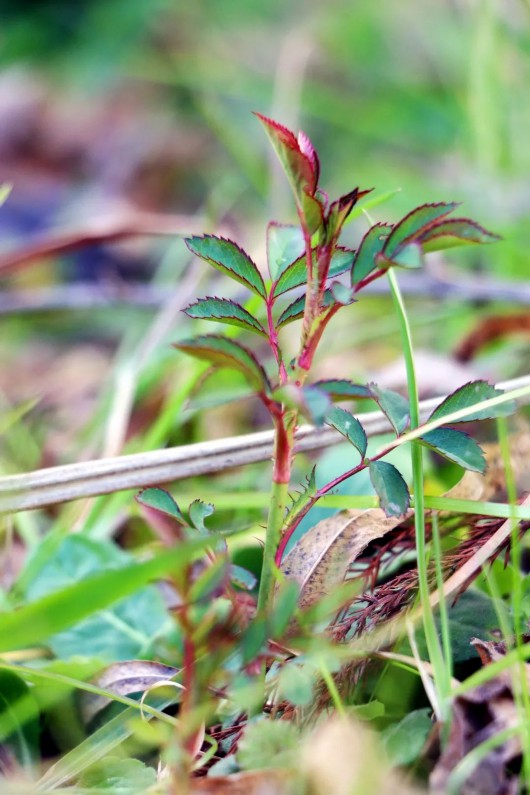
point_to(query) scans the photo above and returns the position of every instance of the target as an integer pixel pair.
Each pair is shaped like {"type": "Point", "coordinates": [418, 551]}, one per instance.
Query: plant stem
{"type": "Point", "coordinates": [279, 497]}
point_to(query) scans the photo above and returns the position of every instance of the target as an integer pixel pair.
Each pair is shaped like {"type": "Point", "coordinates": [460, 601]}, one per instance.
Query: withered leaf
{"type": "Point", "coordinates": [322, 557]}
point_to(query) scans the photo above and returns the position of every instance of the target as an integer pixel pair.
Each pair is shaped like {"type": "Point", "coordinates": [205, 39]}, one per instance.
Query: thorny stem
{"type": "Point", "coordinates": [273, 339]}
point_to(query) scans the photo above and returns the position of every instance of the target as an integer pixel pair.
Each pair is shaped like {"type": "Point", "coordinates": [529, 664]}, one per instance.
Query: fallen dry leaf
{"type": "Point", "coordinates": [320, 560]}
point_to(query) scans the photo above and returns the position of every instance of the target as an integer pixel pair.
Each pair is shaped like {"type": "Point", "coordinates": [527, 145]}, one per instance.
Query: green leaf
{"type": "Point", "coordinates": [198, 512]}
{"type": "Point", "coordinates": [393, 405]}
{"type": "Point", "coordinates": [229, 258]}
{"type": "Point", "coordinates": [341, 389]}
{"type": "Point", "coordinates": [162, 501]}
{"type": "Point", "coordinates": [19, 717]}
{"type": "Point", "coordinates": [210, 580]}
{"type": "Point", "coordinates": [223, 310]}
{"type": "Point", "coordinates": [470, 394]}
{"type": "Point", "coordinates": [342, 294]}
{"type": "Point", "coordinates": [284, 245]}
{"type": "Point", "coordinates": [242, 577]}
{"type": "Point", "coordinates": [296, 310]}
{"type": "Point", "coordinates": [224, 352]}
{"type": "Point", "coordinates": [121, 632]}
{"type": "Point", "coordinates": [310, 400]}
{"type": "Point", "coordinates": [410, 256]}
{"type": "Point", "coordinates": [349, 426]}
{"type": "Point", "coordinates": [33, 623]}
{"type": "Point", "coordinates": [126, 776]}
{"type": "Point", "coordinates": [295, 684]}
{"type": "Point", "coordinates": [296, 273]}
{"type": "Point", "coordinates": [390, 487]}
{"type": "Point", "coordinates": [253, 639]}
{"type": "Point", "coordinates": [457, 446]}
{"type": "Point", "coordinates": [269, 744]}
{"type": "Point", "coordinates": [416, 223]}
{"type": "Point", "coordinates": [404, 741]}
{"type": "Point", "coordinates": [371, 245]}
{"type": "Point", "coordinates": [456, 232]}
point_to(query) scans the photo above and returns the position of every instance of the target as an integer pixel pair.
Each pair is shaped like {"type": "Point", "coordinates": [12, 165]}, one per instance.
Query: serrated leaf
{"type": "Point", "coordinates": [198, 512]}
{"type": "Point", "coordinates": [349, 426]}
{"type": "Point", "coordinates": [341, 389]}
{"type": "Point", "coordinates": [296, 273]}
{"type": "Point", "coordinates": [242, 577]}
{"type": "Point", "coordinates": [371, 245]}
{"type": "Point", "coordinates": [416, 223]}
{"type": "Point", "coordinates": [161, 500]}
{"type": "Point", "coordinates": [469, 394]}
{"type": "Point", "coordinates": [390, 487]}
{"type": "Point", "coordinates": [339, 211]}
{"type": "Point", "coordinates": [320, 560]}
{"type": "Point", "coordinates": [296, 310]}
{"type": "Point", "coordinates": [457, 446]}
{"type": "Point", "coordinates": [223, 310]}
{"type": "Point", "coordinates": [297, 156]}
{"type": "Point", "coordinates": [285, 244]}
{"type": "Point", "coordinates": [456, 232]}
{"type": "Point", "coordinates": [229, 258]}
{"type": "Point", "coordinates": [393, 405]}
{"type": "Point", "coordinates": [224, 352]}
{"type": "Point", "coordinates": [310, 400]}
{"type": "Point", "coordinates": [410, 256]}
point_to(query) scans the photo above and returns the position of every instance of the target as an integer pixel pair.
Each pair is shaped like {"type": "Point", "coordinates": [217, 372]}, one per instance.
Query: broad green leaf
{"type": "Point", "coordinates": [456, 232]}
{"type": "Point", "coordinates": [295, 683]}
{"type": "Point", "coordinates": [242, 577]}
{"type": "Point", "coordinates": [371, 245]}
{"type": "Point", "coordinates": [404, 741]}
{"type": "Point", "coordinates": [224, 352]}
{"type": "Point", "coordinates": [36, 621]}
{"type": "Point", "coordinates": [390, 488]}
{"type": "Point", "coordinates": [393, 405]}
{"type": "Point", "coordinates": [199, 511]}
{"type": "Point", "coordinates": [457, 446]}
{"type": "Point", "coordinates": [223, 310]}
{"type": "Point", "coordinates": [296, 310]}
{"type": "Point", "coordinates": [341, 389]}
{"type": "Point", "coordinates": [320, 560]}
{"type": "Point", "coordinates": [349, 426]}
{"type": "Point", "coordinates": [125, 776]}
{"type": "Point", "coordinates": [161, 500]}
{"type": "Point", "coordinates": [121, 632]}
{"type": "Point", "coordinates": [226, 256]}
{"type": "Point", "coordinates": [285, 244]}
{"type": "Point", "coordinates": [470, 394]}
{"type": "Point", "coordinates": [296, 273]}
{"type": "Point", "coordinates": [413, 225]}
{"type": "Point", "coordinates": [310, 400]}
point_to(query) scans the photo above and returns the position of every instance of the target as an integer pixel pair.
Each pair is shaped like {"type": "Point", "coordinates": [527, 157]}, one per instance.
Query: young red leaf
{"type": "Point", "coordinates": [371, 245]}
{"type": "Point", "coordinates": [298, 159]}
{"type": "Point", "coordinates": [228, 257]}
{"type": "Point", "coordinates": [349, 426]}
{"type": "Point", "coordinates": [457, 446]}
{"type": "Point", "coordinates": [296, 273]}
{"type": "Point", "coordinates": [416, 223]}
{"type": "Point", "coordinates": [390, 487]}
{"type": "Point", "coordinates": [339, 211]}
{"type": "Point", "coordinates": [224, 311]}
{"type": "Point", "coordinates": [456, 232]}
{"type": "Point", "coordinates": [393, 405]}
{"type": "Point", "coordinates": [467, 396]}
{"type": "Point", "coordinates": [224, 352]}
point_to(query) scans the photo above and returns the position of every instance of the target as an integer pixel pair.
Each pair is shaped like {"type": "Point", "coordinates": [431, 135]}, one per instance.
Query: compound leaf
{"type": "Point", "coordinates": [457, 446]}
{"type": "Point", "coordinates": [229, 258]}
{"type": "Point", "coordinates": [390, 487]}
{"type": "Point", "coordinates": [223, 310]}
{"type": "Point", "coordinates": [224, 352]}
{"type": "Point", "coordinates": [349, 426]}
